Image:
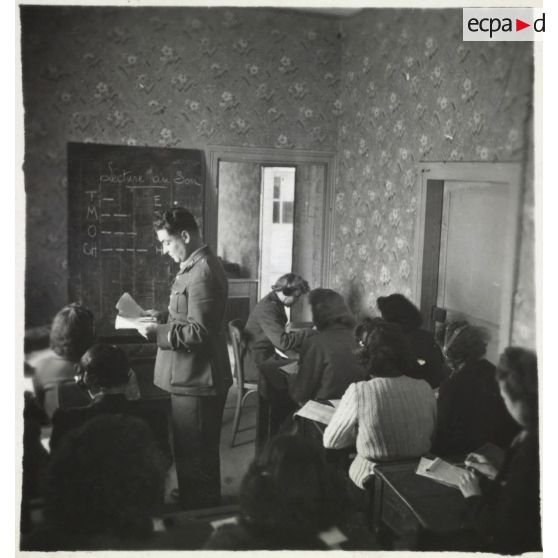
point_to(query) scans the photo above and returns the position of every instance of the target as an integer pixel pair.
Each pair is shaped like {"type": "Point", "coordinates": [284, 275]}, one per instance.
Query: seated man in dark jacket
{"type": "Point", "coordinates": [327, 362]}
{"type": "Point", "coordinates": [104, 372]}
{"type": "Point", "coordinates": [266, 330]}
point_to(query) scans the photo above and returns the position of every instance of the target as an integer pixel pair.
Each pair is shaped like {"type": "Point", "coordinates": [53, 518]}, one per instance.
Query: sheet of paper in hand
{"type": "Point", "coordinates": [128, 307]}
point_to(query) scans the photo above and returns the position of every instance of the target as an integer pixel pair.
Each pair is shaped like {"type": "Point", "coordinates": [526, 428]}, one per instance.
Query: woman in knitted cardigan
{"type": "Point", "coordinates": [391, 416]}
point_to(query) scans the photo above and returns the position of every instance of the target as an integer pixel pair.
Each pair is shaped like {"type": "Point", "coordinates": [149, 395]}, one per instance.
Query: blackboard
{"type": "Point", "coordinates": [113, 193]}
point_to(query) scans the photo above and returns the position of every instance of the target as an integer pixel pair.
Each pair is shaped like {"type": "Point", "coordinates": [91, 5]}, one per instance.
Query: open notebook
{"type": "Point", "coordinates": [320, 412]}
{"type": "Point", "coordinates": [439, 470]}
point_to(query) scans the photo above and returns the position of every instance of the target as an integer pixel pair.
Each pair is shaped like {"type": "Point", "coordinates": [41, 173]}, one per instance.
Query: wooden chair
{"type": "Point", "coordinates": [244, 388]}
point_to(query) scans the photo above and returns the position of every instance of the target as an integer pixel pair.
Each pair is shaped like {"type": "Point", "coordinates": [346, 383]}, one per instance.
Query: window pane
{"type": "Point", "coordinates": [287, 212]}
{"type": "Point", "coordinates": [277, 188]}
{"type": "Point", "coordinates": [276, 212]}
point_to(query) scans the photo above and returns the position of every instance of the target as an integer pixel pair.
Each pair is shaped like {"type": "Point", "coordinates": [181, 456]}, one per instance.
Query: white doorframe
{"type": "Point", "coordinates": [507, 173]}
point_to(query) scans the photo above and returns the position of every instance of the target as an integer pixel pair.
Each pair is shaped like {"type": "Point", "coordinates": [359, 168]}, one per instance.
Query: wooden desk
{"type": "Point", "coordinates": [420, 513]}
{"type": "Point", "coordinates": [313, 431]}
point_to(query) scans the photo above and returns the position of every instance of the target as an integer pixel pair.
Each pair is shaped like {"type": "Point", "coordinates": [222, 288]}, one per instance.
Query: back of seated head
{"type": "Point", "coordinates": [105, 477]}
{"type": "Point", "coordinates": [291, 284]}
{"type": "Point", "coordinates": [385, 350]}
{"type": "Point", "coordinates": [104, 366]}
{"type": "Point", "coordinates": [398, 309]}
{"type": "Point", "coordinates": [329, 307]}
{"type": "Point", "coordinates": [290, 493]}
{"type": "Point", "coordinates": [175, 220]}
{"type": "Point", "coordinates": [464, 343]}
{"type": "Point", "coordinates": [517, 373]}
{"type": "Point", "coordinates": [72, 333]}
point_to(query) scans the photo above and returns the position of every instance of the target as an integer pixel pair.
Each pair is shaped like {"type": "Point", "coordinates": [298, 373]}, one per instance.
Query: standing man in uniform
{"type": "Point", "coordinates": [192, 359]}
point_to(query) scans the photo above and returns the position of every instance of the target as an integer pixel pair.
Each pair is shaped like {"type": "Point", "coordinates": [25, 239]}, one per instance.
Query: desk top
{"type": "Point", "coordinates": [438, 508]}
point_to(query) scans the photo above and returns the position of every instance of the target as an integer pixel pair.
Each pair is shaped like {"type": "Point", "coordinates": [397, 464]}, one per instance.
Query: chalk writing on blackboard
{"type": "Point", "coordinates": [113, 194]}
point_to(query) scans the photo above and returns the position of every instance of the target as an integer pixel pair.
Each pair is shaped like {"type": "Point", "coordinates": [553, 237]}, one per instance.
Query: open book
{"type": "Point", "coordinates": [439, 470]}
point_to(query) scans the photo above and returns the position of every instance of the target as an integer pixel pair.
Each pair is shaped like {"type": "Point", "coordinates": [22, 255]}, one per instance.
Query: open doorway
{"type": "Point", "coordinates": [233, 220]}
{"type": "Point", "coordinates": [276, 224]}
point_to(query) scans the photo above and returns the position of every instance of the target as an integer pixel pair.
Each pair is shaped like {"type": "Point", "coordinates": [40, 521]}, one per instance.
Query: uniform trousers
{"type": "Point", "coordinates": [196, 423]}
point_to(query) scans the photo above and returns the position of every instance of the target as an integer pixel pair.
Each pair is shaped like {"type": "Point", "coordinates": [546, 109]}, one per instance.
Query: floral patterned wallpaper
{"type": "Point", "coordinates": [412, 90]}
{"type": "Point", "coordinates": [394, 87]}
{"type": "Point", "coordinates": [176, 77]}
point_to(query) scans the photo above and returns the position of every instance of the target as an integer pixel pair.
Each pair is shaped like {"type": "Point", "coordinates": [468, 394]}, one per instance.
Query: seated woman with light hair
{"type": "Point", "coordinates": [390, 416]}
{"type": "Point", "coordinates": [503, 498]}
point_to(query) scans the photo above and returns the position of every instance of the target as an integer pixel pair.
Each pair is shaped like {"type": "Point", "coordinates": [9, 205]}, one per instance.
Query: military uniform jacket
{"type": "Point", "coordinates": [192, 358]}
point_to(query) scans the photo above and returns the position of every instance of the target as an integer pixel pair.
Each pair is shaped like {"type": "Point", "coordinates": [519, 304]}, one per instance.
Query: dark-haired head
{"type": "Point", "coordinates": [106, 477]}
{"type": "Point", "coordinates": [291, 284]}
{"type": "Point", "coordinates": [290, 494]}
{"type": "Point", "coordinates": [517, 375]}
{"type": "Point", "coordinates": [104, 367]}
{"type": "Point", "coordinates": [176, 220]}
{"type": "Point", "coordinates": [386, 352]}
{"type": "Point", "coordinates": [71, 333]}
{"type": "Point", "coordinates": [464, 343]}
{"type": "Point", "coordinates": [328, 308]}
{"type": "Point", "coordinates": [399, 310]}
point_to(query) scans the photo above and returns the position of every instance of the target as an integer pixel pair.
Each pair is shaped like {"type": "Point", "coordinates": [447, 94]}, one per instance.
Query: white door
{"type": "Point", "coordinates": [474, 252]}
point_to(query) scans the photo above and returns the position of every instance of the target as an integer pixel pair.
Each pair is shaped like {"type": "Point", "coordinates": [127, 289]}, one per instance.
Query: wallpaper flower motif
{"type": "Point", "coordinates": [385, 89]}
{"type": "Point", "coordinates": [173, 77]}
{"type": "Point", "coordinates": [420, 95]}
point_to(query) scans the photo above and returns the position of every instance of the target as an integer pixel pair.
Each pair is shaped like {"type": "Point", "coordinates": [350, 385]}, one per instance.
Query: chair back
{"type": "Point", "coordinates": [236, 328]}
{"type": "Point", "coordinates": [71, 395]}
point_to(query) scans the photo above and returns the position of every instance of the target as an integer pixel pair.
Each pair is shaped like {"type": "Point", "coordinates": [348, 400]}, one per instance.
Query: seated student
{"type": "Point", "coordinates": [105, 485]}
{"type": "Point", "coordinates": [71, 335]}
{"type": "Point", "coordinates": [104, 374]}
{"type": "Point", "coordinates": [391, 416]}
{"type": "Point", "coordinates": [35, 458]}
{"type": "Point", "coordinates": [470, 410]}
{"type": "Point", "coordinates": [504, 501]}
{"type": "Point", "coordinates": [327, 361]}
{"type": "Point", "coordinates": [288, 498]}
{"type": "Point", "coordinates": [430, 365]}
{"type": "Point", "coordinates": [266, 329]}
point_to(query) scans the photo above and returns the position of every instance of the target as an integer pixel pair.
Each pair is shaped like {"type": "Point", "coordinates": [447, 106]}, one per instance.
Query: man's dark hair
{"type": "Point", "coordinates": [106, 477]}
{"type": "Point", "coordinates": [386, 352]}
{"type": "Point", "coordinates": [71, 333]}
{"type": "Point", "coordinates": [290, 284]}
{"type": "Point", "coordinates": [289, 494]}
{"type": "Point", "coordinates": [104, 366]}
{"type": "Point", "coordinates": [518, 371]}
{"type": "Point", "coordinates": [400, 310]}
{"type": "Point", "coordinates": [176, 220]}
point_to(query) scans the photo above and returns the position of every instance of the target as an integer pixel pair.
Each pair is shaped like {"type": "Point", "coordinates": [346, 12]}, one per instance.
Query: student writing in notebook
{"type": "Point", "coordinates": [391, 415]}
{"type": "Point", "coordinates": [267, 330]}
{"type": "Point", "coordinates": [504, 501]}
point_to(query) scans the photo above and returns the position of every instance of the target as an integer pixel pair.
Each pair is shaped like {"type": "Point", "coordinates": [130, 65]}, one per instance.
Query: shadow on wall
{"type": "Point", "coordinates": [355, 299]}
